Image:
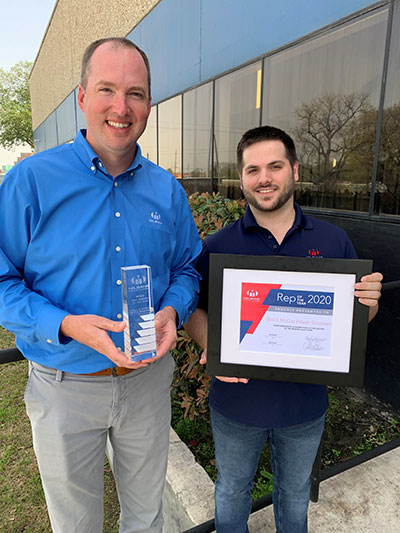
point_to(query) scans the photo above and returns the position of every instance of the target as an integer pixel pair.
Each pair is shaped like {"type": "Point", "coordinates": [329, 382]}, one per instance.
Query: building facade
{"type": "Point", "coordinates": [326, 72]}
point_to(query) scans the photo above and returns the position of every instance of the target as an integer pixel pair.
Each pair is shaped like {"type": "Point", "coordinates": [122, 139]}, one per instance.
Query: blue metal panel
{"type": "Point", "coordinates": [170, 36]}
{"type": "Point", "coordinates": [39, 137]}
{"type": "Point", "coordinates": [236, 32]}
{"type": "Point", "coordinates": [66, 119]}
{"type": "Point", "coordinates": [80, 117]}
{"type": "Point", "coordinates": [189, 41]}
{"type": "Point", "coordinates": [50, 127]}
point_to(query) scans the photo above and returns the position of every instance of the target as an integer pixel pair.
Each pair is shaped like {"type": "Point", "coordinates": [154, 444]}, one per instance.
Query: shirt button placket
{"type": "Point", "coordinates": [117, 257]}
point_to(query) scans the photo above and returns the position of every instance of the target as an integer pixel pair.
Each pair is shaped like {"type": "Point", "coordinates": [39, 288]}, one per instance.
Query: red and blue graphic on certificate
{"type": "Point", "coordinates": [286, 319]}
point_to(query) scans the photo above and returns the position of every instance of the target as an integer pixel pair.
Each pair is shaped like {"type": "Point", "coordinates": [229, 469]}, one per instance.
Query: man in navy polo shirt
{"type": "Point", "coordinates": [246, 413]}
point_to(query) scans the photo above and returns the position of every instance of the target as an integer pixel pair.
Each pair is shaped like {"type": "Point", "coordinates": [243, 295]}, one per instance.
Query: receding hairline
{"type": "Point", "coordinates": [114, 43]}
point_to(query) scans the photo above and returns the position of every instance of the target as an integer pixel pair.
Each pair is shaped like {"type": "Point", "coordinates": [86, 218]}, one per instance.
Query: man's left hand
{"type": "Point", "coordinates": [368, 291]}
{"type": "Point", "coordinates": [165, 324]}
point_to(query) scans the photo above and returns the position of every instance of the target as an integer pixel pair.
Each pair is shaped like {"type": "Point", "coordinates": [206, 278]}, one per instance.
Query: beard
{"type": "Point", "coordinates": [285, 194]}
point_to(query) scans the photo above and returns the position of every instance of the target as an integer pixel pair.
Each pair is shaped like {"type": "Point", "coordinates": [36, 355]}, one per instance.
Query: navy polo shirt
{"type": "Point", "coordinates": [271, 404]}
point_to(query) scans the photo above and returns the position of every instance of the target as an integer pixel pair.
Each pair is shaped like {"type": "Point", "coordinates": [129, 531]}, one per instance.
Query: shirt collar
{"type": "Point", "coordinates": [300, 220]}
{"type": "Point", "coordinates": [93, 161]}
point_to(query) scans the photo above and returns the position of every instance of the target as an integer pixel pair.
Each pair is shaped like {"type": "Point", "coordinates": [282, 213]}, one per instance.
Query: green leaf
{"type": "Point", "coordinates": [15, 106]}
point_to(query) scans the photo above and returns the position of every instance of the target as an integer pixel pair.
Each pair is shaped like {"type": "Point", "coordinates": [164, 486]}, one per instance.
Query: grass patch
{"type": "Point", "coordinates": [21, 494]}
{"type": "Point", "coordinates": [22, 503]}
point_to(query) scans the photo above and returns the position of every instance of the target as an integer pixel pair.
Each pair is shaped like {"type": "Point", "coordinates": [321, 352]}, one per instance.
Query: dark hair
{"type": "Point", "coordinates": [265, 133]}
{"type": "Point", "coordinates": [116, 41]}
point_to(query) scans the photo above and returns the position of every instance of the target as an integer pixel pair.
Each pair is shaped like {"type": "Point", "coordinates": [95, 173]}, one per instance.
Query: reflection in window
{"type": "Point", "coordinates": [169, 123]}
{"type": "Point", "coordinates": [237, 109]}
{"type": "Point", "coordinates": [148, 139]}
{"type": "Point", "coordinates": [197, 138]}
{"type": "Point", "coordinates": [387, 191]}
{"type": "Point", "coordinates": [325, 93]}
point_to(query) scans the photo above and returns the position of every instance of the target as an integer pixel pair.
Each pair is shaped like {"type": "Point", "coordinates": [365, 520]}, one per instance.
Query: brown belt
{"type": "Point", "coordinates": [114, 371]}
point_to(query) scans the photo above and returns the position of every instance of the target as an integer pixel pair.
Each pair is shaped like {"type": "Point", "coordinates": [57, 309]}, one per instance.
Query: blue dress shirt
{"type": "Point", "coordinates": [271, 404]}
{"type": "Point", "coordinates": [67, 228]}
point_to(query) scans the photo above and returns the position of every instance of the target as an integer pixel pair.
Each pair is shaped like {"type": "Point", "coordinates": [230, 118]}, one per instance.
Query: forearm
{"type": "Point", "coordinates": [182, 293]}
{"type": "Point", "coordinates": [27, 314]}
{"type": "Point", "coordinates": [196, 326]}
{"type": "Point", "coordinates": [183, 290]}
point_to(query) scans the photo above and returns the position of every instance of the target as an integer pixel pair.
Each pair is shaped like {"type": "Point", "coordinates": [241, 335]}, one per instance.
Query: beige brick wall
{"type": "Point", "coordinates": [74, 25]}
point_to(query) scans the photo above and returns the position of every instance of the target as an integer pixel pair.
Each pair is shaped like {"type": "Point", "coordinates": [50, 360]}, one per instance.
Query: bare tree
{"type": "Point", "coordinates": [329, 130]}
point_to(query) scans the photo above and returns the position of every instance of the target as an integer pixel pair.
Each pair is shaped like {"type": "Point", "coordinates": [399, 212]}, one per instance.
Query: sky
{"type": "Point", "coordinates": [23, 25]}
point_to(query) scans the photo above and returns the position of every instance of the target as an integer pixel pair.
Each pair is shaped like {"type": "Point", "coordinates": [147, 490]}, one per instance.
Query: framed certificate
{"type": "Point", "coordinates": [287, 319]}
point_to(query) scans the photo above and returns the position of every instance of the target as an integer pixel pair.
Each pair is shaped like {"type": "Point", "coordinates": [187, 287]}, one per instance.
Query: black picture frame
{"type": "Point", "coordinates": [215, 367]}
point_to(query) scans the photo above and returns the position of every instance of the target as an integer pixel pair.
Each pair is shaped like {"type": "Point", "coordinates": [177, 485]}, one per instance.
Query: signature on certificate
{"type": "Point", "coordinates": [314, 343]}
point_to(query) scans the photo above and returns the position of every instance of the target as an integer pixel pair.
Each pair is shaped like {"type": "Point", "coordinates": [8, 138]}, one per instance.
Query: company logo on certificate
{"type": "Point", "coordinates": [286, 319]}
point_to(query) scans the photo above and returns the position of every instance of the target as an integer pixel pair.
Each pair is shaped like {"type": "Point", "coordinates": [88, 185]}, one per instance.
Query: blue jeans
{"type": "Point", "coordinates": [237, 451]}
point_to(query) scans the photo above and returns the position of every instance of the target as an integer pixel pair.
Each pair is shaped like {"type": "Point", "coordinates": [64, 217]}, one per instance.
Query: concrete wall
{"type": "Point", "coordinates": [189, 492]}
{"type": "Point", "coordinates": [73, 25]}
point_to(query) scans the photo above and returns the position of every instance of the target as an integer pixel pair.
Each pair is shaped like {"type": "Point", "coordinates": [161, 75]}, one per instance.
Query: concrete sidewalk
{"type": "Point", "coordinates": [364, 499]}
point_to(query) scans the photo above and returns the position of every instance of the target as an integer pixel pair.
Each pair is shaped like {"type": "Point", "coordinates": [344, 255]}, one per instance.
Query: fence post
{"type": "Point", "coordinates": [315, 474]}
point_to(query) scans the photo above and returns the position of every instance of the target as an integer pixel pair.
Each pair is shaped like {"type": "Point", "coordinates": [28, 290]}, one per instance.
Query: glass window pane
{"type": "Point", "coordinates": [197, 139]}
{"type": "Point", "coordinates": [325, 93]}
{"type": "Point", "coordinates": [169, 135]}
{"type": "Point", "coordinates": [237, 109]}
{"type": "Point", "coordinates": [387, 193]}
{"type": "Point", "coordinates": [148, 139]}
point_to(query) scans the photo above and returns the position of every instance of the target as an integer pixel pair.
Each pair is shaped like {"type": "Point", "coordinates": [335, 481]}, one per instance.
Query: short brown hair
{"type": "Point", "coordinates": [265, 133]}
{"type": "Point", "coordinates": [116, 41]}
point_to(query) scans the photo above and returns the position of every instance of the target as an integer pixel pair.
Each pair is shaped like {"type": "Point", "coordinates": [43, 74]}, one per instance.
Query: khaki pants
{"type": "Point", "coordinates": [72, 416]}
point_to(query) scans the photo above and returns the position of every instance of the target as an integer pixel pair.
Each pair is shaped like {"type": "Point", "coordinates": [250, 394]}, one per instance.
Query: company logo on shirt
{"type": "Point", "coordinates": [313, 253]}
{"type": "Point", "coordinates": [155, 217]}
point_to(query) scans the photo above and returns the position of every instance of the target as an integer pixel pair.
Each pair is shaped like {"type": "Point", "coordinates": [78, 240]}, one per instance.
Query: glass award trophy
{"type": "Point", "coordinates": [138, 313]}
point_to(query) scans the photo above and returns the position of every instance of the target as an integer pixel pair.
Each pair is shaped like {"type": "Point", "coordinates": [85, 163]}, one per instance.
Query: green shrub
{"type": "Point", "coordinates": [211, 212]}
{"type": "Point", "coordinates": [190, 384]}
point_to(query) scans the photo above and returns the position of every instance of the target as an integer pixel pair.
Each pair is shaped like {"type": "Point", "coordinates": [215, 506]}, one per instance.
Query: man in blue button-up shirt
{"type": "Point", "coordinates": [71, 217]}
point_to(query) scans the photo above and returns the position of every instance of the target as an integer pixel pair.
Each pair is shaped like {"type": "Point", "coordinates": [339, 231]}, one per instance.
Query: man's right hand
{"type": "Point", "coordinates": [203, 361]}
{"type": "Point", "coordinates": [92, 331]}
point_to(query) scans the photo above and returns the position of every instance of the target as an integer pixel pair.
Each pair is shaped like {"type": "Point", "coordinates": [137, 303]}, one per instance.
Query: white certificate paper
{"type": "Point", "coordinates": [300, 320]}
{"type": "Point", "coordinates": [282, 318]}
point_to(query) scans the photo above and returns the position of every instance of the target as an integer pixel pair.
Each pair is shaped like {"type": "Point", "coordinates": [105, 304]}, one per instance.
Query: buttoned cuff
{"type": "Point", "coordinates": [48, 325]}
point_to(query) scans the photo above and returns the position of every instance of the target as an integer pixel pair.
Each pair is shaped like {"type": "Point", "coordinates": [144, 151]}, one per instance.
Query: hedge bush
{"type": "Point", "coordinates": [211, 212]}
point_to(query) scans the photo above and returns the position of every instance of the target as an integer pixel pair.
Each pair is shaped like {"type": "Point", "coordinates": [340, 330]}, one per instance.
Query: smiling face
{"type": "Point", "coordinates": [115, 102]}
{"type": "Point", "coordinates": [268, 179]}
